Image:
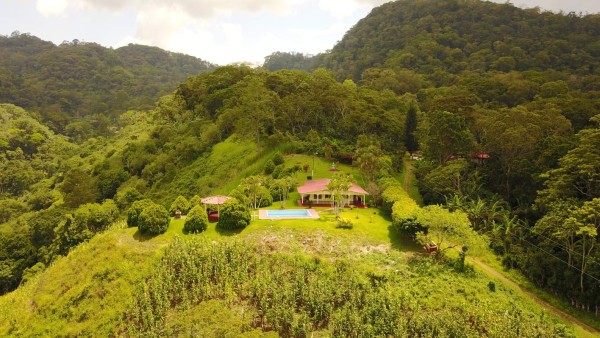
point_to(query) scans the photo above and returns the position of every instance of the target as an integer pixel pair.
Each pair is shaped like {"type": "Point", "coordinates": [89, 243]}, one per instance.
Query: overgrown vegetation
{"type": "Point", "coordinates": [296, 296]}
{"type": "Point", "coordinates": [504, 109]}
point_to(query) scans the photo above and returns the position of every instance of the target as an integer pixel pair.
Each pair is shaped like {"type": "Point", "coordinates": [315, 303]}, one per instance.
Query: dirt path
{"type": "Point", "coordinates": [497, 274]}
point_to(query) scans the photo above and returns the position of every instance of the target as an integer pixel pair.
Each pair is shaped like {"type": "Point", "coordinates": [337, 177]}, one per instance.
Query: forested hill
{"type": "Point", "coordinates": [444, 38]}
{"type": "Point", "coordinates": [81, 79]}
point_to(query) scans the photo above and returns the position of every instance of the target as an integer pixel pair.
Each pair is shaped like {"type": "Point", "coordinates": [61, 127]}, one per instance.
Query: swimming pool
{"type": "Point", "coordinates": [287, 214]}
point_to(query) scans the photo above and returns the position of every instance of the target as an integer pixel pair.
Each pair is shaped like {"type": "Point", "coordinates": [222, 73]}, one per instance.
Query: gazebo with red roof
{"type": "Point", "coordinates": [316, 193]}
{"type": "Point", "coordinates": [215, 200]}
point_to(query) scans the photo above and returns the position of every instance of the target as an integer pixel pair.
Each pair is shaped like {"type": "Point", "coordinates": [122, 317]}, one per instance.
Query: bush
{"type": "Point", "coordinates": [180, 204]}
{"type": "Point", "coordinates": [135, 210]}
{"type": "Point", "coordinates": [269, 167]}
{"type": "Point", "coordinates": [196, 220]}
{"type": "Point", "coordinates": [277, 171]}
{"type": "Point", "coordinates": [154, 220]}
{"type": "Point", "coordinates": [233, 215]}
{"type": "Point", "coordinates": [194, 201]}
{"type": "Point", "coordinates": [264, 196]}
{"type": "Point", "coordinates": [277, 158]}
{"type": "Point", "coordinates": [127, 196]}
{"type": "Point", "coordinates": [344, 223]}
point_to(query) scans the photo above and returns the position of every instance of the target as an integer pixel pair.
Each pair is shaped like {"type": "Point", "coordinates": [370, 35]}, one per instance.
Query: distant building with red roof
{"type": "Point", "coordinates": [317, 193]}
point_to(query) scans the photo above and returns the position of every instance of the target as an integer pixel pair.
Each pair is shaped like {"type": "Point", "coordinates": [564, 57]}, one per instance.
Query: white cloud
{"type": "Point", "coordinates": [51, 7]}
{"type": "Point", "coordinates": [225, 31]}
{"type": "Point", "coordinates": [577, 6]}
{"type": "Point", "coordinates": [195, 8]}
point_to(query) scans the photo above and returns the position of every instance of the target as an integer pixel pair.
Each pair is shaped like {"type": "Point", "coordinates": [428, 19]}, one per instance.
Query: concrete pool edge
{"type": "Point", "coordinates": [312, 214]}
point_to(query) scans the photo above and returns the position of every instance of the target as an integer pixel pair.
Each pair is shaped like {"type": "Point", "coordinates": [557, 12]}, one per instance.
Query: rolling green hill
{"type": "Point", "coordinates": [502, 104]}
{"type": "Point", "coordinates": [291, 278]}
{"type": "Point", "coordinates": [81, 79]}
{"type": "Point", "coordinates": [439, 38]}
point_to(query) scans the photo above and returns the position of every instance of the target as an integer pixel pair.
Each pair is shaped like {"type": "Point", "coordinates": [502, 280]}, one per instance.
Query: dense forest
{"type": "Point", "coordinates": [81, 87]}
{"type": "Point", "coordinates": [502, 102]}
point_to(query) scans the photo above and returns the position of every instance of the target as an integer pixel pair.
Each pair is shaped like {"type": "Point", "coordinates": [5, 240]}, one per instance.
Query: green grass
{"type": "Point", "coordinates": [87, 292]}
{"type": "Point", "coordinates": [83, 294]}
{"type": "Point", "coordinates": [321, 167]}
{"type": "Point", "coordinates": [518, 278]}
{"type": "Point", "coordinates": [408, 179]}
{"type": "Point", "coordinates": [372, 227]}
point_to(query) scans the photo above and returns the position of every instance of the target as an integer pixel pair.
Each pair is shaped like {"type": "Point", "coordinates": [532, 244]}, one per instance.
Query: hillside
{"type": "Point", "coordinates": [500, 114]}
{"type": "Point", "coordinates": [81, 79]}
{"type": "Point", "coordinates": [437, 37]}
{"type": "Point", "coordinates": [288, 278]}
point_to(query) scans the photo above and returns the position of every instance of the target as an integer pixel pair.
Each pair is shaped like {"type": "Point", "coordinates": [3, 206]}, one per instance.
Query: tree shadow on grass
{"type": "Point", "coordinates": [402, 241]}
{"type": "Point", "coordinates": [141, 237]}
{"type": "Point", "coordinates": [228, 232]}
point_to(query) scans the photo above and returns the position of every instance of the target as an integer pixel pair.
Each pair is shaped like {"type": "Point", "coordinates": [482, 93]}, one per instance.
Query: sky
{"type": "Point", "coordinates": [219, 31]}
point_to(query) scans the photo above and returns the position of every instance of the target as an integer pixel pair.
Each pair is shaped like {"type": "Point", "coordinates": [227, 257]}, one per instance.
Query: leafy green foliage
{"type": "Point", "coordinates": [277, 158]}
{"type": "Point", "coordinates": [578, 173]}
{"type": "Point", "coordinates": [11, 208]}
{"type": "Point", "coordinates": [371, 160]}
{"type": "Point", "coordinates": [124, 78]}
{"type": "Point", "coordinates": [344, 223]}
{"type": "Point", "coordinates": [445, 229]}
{"type": "Point", "coordinates": [196, 220]}
{"type": "Point", "coordinates": [233, 215]}
{"type": "Point", "coordinates": [154, 220]}
{"type": "Point", "coordinates": [16, 254]}
{"type": "Point", "coordinates": [125, 197]}
{"type": "Point", "coordinates": [338, 186]}
{"type": "Point", "coordinates": [255, 192]}
{"type": "Point", "coordinates": [342, 299]}
{"type": "Point", "coordinates": [269, 167]}
{"type": "Point", "coordinates": [87, 220]}
{"type": "Point", "coordinates": [195, 200]}
{"type": "Point", "coordinates": [180, 204]}
{"type": "Point", "coordinates": [133, 214]}
{"type": "Point", "coordinates": [445, 134]}
{"type": "Point", "coordinates": [283, 60]}
{"type": "Point", "coordinates": [79, 187]}
{"type": "Point", "coordinates": [410, 127]}
{"type": "Point", "coordinates": [439, 40]}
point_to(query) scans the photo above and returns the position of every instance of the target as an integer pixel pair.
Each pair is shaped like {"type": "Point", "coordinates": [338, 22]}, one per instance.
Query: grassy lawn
{"type": "Point", "coordinates": [321, 168]}
{"type": "Point", "coordinates": [408, 179]}
{"type": "Point", "coordinates": [371, 227]}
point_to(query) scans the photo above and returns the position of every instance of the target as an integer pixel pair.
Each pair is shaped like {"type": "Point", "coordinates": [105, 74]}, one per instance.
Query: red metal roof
{"type": "Point", "coordinates": [321, 185]}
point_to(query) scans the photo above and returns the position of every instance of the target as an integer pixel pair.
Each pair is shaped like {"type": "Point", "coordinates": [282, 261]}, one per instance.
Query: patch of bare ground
{"type": "Point", "coordinates": [318, 243]}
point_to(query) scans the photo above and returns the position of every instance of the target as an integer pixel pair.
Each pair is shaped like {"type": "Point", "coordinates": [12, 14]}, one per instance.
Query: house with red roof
{"type": "Point", "coordinates": [315, 193]}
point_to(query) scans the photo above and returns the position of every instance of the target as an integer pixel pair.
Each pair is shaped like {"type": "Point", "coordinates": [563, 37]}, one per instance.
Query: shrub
{"type": "Point", "coordinates": [277, 171]}
{"type": "Point", "coordinates": [180, 204]}
{"type": "Point", "coordinates": [269, 167]}
{"type": "Point", "coordinates": [135, 210]}
{"type": "Point", "coordinates": [277, 158]}
{"type": "Point", "coordinates": [127, 196]}
{"type": "Point", "coordinates": [196, 220]}
{"type": "Point", "coordinates": [264, 196]}
{"type": "Point", "coordinates": [194, 201]}
{"type": "Point", "coordinates": [344, 223]}
{"type": "Point", "coordinates": [233, 215]}
{"type": "Point", "coordinates": [154, 220]}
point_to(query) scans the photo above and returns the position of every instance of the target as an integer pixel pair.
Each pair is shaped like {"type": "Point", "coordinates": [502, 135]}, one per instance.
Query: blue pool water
{"type": "Point", "coordinates": [288, 213]}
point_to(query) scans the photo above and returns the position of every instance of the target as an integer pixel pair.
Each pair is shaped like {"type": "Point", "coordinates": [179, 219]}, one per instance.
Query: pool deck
{"type": "Point", "coordinates": [262, 214]}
